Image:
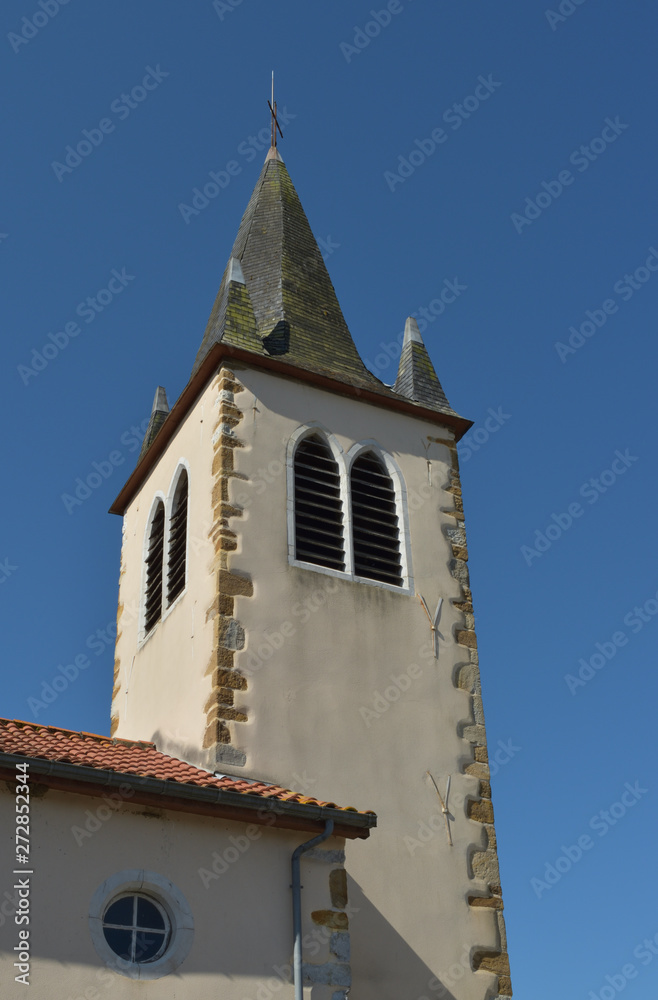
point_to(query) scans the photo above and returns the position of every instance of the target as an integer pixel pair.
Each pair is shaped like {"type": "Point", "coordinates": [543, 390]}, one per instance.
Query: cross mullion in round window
{"type": "Point", "coordinates": [318, 505]}
{"type": "Point", "coordinates": [136, 928]}
{"type": "Point", "coordinates": [375, 525]}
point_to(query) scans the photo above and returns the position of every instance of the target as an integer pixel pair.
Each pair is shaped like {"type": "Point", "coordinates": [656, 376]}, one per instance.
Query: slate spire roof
{"type": "Point", "coordinates": [276, 307]}
{"type": "Point", "coordinates": [276, 297]}
{"type": "Point", "coordinates": [416, 376]}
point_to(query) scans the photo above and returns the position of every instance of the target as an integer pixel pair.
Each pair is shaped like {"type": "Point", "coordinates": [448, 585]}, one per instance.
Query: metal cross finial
{"type": "Point", "coordinates": [275, 124]}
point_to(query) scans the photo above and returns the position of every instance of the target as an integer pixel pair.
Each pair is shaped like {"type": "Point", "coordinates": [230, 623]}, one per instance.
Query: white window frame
{"type": "Point", "coordinates": [311, 430]}
{"type": "Point", "coordinates": [344, 462]}
{"type": "Point", "coordinates": [158, 498]}
{"type": "Point", "coordinates": [168, 500]}
{"type": "Point", "coordinates": [170, 898]}
{"type": "Point", "coordinates": [402, 509]}
{"type": "Point", "coordinates": [169, 508]}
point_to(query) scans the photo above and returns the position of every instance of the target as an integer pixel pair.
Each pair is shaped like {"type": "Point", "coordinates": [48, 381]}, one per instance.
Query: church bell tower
{"type": "Point", "coordinates": [294, 600]}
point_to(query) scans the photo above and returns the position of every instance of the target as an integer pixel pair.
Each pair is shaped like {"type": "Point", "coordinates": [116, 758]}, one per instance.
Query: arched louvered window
{"type": "Point", "coordinates": [154, 567]}
{"type": "Point", "coordinates": [177, 541]}
{"type": "Point", "coordinates": [318, 505]}
{"type": "Point", "coordinates": [375, 527]}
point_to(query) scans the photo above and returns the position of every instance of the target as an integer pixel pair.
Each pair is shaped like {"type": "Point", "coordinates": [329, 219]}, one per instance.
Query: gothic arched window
{"type": "Point", "coordinates": [177, 540]}
{"type": "Point", "coordinates": [154, 567]}
{"type": "Point", "coordinates": [318, 505]}
{"type": "Point", "coordinates": [375, 524]}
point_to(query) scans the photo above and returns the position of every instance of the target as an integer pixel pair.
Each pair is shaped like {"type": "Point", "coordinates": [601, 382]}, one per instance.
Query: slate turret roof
{"type": "Point", "coordinates": [416, 376]}
{"type": "Point", "coordinates": [159, 413]}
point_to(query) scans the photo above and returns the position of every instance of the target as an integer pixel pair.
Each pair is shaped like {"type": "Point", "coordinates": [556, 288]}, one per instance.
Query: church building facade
{"type": "Point", "coordinates": [295, 630]}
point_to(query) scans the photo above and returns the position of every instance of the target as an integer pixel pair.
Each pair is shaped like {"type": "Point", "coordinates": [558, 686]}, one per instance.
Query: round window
{"type": "Point", "coordinates": [141, 924]}
{"type": "Point", "coordinates": [136, 928]}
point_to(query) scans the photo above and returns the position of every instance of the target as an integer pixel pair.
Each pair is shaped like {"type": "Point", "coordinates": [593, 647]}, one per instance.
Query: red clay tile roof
{"type": "Point", "coordinates": [29, 739]}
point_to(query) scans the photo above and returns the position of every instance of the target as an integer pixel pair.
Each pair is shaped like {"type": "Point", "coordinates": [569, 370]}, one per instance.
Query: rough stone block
{"type": "Point", "coordinates": [338, 888]}
{"type": "Point", "coordinates": [229, 679]}
{"type": "Point", "coordinates": [229, 755]}
{"type": "Point", "coordinates": [230, 634]}
{"type": "Point", "coordinates": [331, 857]}
{"type": "Point", "coordinates": [340, 946]}
{"type": "Point", "coordinates": [481, 811]}
{"type": "Point", "coordinates": [466, 638]}
{"type": "Point", "coordinates": [330, 918]}
{"type": "Point", "coordinates": [235, 585]}
{"type": "Point", "coordinates": [225, 605]}
{"type": "Point", "coordinates": [329, 974]}
{"type": "Point", "coordinates": [485, 867]}
{"type": "Point", "coordinates": [492, 902]}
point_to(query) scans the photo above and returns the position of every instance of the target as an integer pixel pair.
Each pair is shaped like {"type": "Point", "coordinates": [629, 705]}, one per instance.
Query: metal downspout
{"type": "Point", "coordinates": [297, 905]}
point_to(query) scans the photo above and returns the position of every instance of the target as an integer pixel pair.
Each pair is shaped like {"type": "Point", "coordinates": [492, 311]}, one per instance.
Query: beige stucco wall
{"type": "Point", "coordinates": [325, 713]}
{"type": "Point", "coordinates": [159, 685]}
{"type": "Point", "coordinates": [303, 703]}
{"type": "Point", "coordinates": [242, 917]}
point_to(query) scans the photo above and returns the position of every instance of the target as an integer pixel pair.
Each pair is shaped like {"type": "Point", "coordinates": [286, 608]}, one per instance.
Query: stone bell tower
{"type": "Point", "coordinates": [294, 599]}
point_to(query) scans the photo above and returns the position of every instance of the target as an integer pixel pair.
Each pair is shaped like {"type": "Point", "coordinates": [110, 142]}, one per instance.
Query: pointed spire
{"type": "Point", "coordinates": [276, 296]}
{"type": "Point", "coordinates": [416, 376]}
{"type": "Point", "coordinates": [159, 414]}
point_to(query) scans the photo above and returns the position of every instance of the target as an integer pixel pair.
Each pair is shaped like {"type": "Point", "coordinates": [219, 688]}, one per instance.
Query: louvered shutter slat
{"type": "Point", "coordinates": [318, 506]}
{"type": "Point", "coordinates": [176, 569]}
{"type": "Point", "coordinates": [375, 522]}
{"type": "Point", "coordinates": [153, 599]}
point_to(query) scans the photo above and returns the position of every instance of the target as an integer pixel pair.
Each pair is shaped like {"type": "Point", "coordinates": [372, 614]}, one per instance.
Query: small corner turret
{"type": "Point", "coordinates": [417, 378]}
{"type": "Point", "coordinates": [159, 413]}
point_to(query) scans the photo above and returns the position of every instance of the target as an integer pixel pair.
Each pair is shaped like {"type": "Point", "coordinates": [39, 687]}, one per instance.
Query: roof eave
{"type": "Point", "coordinates": [210, 364]}
{"type": "Point", "coordinates": [215, 802]}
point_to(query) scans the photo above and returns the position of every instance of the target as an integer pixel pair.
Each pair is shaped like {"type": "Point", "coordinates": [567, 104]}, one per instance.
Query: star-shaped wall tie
{"type": "Point", "coordinates": [444, 806]}
{"type": "Point", "coordinates": [434, 623]}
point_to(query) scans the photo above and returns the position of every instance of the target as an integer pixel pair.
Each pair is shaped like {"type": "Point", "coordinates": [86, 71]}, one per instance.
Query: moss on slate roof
{"type": "Point", "coordinates": [296, 311]}
{"type": "Point", "coordinates": [417, 378]}
{"type": "Point", "coordinates": [276, 299]}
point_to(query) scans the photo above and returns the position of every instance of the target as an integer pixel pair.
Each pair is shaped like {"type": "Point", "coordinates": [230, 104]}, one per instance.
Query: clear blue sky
{"type": "Point", "coordinates": [530, 91]}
